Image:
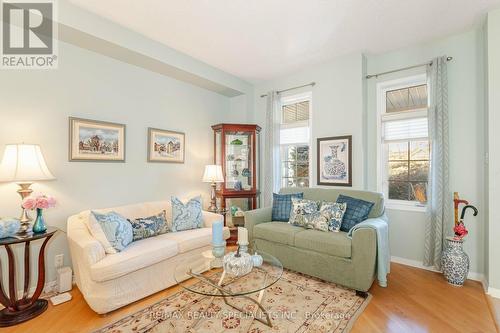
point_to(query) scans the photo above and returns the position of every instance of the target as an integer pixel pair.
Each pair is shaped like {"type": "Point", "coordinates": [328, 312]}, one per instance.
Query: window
{"type": "Point", "coordinates": [404, 151]}
{"type": "Point", "coordinates": [294, 140]}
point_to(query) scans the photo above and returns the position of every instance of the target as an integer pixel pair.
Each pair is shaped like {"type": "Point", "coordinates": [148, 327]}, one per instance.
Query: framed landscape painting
{"type": "Point", "coordinates": [335, 161]}
{"type": "Point", "coordinates": [165, 146]}
{"type": "Point", "coordinates": [96, 141]}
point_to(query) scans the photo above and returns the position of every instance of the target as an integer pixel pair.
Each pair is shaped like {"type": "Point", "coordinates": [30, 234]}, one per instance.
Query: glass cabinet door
{"type": "Point", "coordinates": [239, 161]}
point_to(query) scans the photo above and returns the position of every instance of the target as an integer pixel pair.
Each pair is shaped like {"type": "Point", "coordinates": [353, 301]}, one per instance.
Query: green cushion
{"type": "Point", "coordinates": [331, 243]}
{"type": "Point", "coordinates": [278, 232]}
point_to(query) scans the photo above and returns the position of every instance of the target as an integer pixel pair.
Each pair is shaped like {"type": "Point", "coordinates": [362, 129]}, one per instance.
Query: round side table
{"type": "Point", "coordinates": [19, 310]}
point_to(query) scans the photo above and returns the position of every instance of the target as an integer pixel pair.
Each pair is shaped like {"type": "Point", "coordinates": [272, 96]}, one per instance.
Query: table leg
{"type": "Point", "coordinates": [225, 294]}
{"type": "Point", "coordinates": [193, 325]}
{"type": "Point", "coordinates": [15, 311]}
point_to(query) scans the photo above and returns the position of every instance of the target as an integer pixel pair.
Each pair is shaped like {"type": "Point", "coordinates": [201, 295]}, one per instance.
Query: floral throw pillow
{"type": "Point", "coordinates": [186, 216]}
{"type": "Point", "coordinates": [116, 229]}
{"type": "Point", "coordinates": [302, 210]}
{"type": "Point", "coordinates": [334, 211]}
{"type": "Point", "coordinates": [145, 227]}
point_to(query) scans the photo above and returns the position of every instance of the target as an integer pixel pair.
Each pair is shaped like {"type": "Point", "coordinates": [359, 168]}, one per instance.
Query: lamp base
{"type": "Point", "coordinates": [213, 199]}
{"type": "Point", "coordinates": [25, 230]}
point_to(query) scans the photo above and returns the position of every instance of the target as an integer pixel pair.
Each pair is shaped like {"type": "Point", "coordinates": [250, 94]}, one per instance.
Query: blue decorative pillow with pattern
{"type": "Point", "coordinates": [303, 211]}
{"type": "Point", "coordinates": [186, 216]}
{"type": "Point", "coordinates": [356, 212]}
{"type": "Point", "coordinates": [282, 205]}
{"type": "Point", "coordinates": [335, 212]}
{"type": "Point", "coordinates": [116, 228]}
{"type": "Point", "coordinates": [145, 227]}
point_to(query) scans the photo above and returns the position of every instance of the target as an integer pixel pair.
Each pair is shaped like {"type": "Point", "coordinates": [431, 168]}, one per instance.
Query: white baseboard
{"type": "Point", "coordinates": [494, 292]}
{"type": "Point", "coordinates": [418, 264]}
{"type": "Point", "coordinates": [49, 287]}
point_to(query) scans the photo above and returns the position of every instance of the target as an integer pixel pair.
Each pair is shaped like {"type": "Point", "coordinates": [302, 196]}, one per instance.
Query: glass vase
{"type": "Point", "coordinates": [39, 225]}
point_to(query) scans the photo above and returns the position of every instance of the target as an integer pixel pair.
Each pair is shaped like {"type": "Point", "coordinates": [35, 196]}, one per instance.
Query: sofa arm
{"type": "Point", "coordinates": [209, 218]}
{"type": "Point", "coordinates": [364, 256]}
{"type": "Point", "coordinates": [82, 245]}
{"type": "Point", "coordinates": [254, 217]}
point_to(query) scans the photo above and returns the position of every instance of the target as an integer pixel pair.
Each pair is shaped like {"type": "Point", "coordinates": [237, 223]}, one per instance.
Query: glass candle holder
{"type": "Point", "coordinates": [218, 250]}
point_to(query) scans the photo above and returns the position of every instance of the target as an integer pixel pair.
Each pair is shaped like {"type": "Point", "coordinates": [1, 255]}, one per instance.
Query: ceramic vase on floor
{"type": "Point", "coordinates": [455, 262]}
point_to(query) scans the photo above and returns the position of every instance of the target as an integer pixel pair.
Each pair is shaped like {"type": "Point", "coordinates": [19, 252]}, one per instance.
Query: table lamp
{"type": "Point", "coordinates": [24, 164]}
{"type": "Point", "coordinates": [213, 174]}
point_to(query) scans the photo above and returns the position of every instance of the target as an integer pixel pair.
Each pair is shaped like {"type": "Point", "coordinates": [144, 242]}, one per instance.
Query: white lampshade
{"type": "Point", "coordinates": [23, 163]}
{"type": "Point", "coordinates": [213, 174]}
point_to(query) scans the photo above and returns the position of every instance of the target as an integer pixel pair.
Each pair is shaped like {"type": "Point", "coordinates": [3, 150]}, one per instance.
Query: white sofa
{"type": "Point", "coordinates": [110, 281]}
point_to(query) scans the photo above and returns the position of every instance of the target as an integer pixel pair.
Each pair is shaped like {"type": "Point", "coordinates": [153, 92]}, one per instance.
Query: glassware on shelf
{"type": "Point", "coordinates": [235, 172]}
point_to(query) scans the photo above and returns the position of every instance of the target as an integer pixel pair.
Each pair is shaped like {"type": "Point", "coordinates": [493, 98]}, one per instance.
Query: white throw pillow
{"type": "Point", "coordinates": [96, 231]}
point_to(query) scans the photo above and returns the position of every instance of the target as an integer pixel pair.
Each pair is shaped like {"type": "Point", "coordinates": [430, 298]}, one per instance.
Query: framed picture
{"type": "Point", "coordinates": [335, 161]}
{"type": "Point", "coordinates": [96, 141]}
{"type": "Point", "coordinates": [165, 146]}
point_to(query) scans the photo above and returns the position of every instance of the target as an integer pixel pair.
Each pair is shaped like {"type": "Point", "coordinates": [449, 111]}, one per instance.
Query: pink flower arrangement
{"type": "Point", "coordinates": [39, 201]}
{"type": "Point", "coordinates": [460, 231]}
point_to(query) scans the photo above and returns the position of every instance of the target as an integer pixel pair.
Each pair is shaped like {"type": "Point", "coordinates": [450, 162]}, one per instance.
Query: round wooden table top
{"type": "Point", "coordinates": [30, 237]}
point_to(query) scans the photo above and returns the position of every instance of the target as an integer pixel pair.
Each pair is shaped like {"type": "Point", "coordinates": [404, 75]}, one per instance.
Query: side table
{"type": "Point", "coordinates": [17, 311]}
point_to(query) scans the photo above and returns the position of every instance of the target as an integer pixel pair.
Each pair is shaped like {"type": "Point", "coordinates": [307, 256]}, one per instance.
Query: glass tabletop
{"type": "Point", "coordinates": [200, 275]}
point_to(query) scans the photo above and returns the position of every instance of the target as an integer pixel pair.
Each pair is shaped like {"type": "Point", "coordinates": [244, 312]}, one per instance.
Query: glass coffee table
{"type": "Point", "coordinates": [201, 275]}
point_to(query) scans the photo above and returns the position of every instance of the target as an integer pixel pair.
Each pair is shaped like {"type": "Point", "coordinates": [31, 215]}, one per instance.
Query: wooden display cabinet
{"type": "Point", "coordinates": [236, 149]}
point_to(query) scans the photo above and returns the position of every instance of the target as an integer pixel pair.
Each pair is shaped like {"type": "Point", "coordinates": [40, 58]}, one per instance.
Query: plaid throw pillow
{"type": "Point", "coordinates": [356, 212]}
{"type": "Point", "coordinates": [282, 205]}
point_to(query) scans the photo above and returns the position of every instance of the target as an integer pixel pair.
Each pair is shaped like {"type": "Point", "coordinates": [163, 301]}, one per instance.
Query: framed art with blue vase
{"type": "Point", "coordinates": [334, 161]}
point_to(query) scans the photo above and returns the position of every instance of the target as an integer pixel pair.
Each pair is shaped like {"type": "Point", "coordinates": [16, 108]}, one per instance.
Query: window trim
{"type": "Point", "coordinates": [292, 99]}
{"type": "Point", "coordinates": [382, 172]}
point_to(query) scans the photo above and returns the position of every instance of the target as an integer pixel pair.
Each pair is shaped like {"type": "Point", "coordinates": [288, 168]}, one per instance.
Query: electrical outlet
{"type": "Point", "coordinates": [59, 260]}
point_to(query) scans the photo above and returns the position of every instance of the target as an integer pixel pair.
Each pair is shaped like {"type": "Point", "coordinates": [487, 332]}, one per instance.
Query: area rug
{"type": "Point", "coordinates": [296, 303]}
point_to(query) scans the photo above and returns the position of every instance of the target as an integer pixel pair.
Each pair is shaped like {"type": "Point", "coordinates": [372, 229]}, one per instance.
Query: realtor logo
{"type": "Point", "coordinates": [28, 35]}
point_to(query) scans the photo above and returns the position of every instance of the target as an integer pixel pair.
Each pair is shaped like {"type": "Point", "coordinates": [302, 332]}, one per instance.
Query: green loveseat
{"type": "Point", "coordinates": [331, 256]}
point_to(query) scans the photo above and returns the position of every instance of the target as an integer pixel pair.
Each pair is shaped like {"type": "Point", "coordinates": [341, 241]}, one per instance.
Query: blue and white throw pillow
{"type": "Point", "coordinates": [334, 211]}
{"type": "Point", "coordinates": [116, 228]}
{"type": "Point", "coordinates": [302, 211]}
{"type": "Point", "coordinates": [356, 212]}
{"type": "Point", "coordinates": [282, 205]}
{"type": "Point", "coordinates": [186, 216]}
{"type": "Point", "coordinates": [145, 227]}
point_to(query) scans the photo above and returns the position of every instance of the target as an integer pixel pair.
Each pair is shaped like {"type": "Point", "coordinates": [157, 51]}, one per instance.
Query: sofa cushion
{"type": "Point", "coordinates": [145, 227]}
{"type": "Point", "coordinates": [282, 205]}
{"type": "Point", "coordinates": [357, 211]}
{"type": "Point", "coordinates": [137, 255]}
{"type": "Point", "coordinates": [331, 243]}
{"type": "Point", "coordinates": [192, 239]}
{"type": "Point", "coordinates": [331, 194]}
{"type": "Point", "coordinates": [186, 216]}
{"type": "Point", "coordinates": [116, 229]}
{"type": "Point", "coordinates": [303, 210]}
{"type": "Point", "coordinates": [278, 232]}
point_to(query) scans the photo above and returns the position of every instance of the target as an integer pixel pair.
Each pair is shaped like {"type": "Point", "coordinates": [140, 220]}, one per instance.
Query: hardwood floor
{"type": "Point", "coordinates": [415, 301]}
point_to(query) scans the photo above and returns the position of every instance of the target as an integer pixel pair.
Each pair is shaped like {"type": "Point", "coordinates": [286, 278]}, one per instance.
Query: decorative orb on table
{"type": "Point", "coordinates": [238, 263]}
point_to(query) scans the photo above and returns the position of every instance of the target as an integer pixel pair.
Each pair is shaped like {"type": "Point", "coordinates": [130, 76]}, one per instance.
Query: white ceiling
{"type": "Point", "coordinates": [262, 39]}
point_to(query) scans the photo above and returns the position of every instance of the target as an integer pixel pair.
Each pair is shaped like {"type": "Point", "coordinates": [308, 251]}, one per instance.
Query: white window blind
{"type": "Point", "coordinates": [294, 135]}
{"type": "Point", "coordinates": [405, 129]}
{"type": "Point", "coordinates": [295, 112]}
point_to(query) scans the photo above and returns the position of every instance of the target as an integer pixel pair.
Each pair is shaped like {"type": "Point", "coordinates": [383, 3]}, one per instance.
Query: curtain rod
{"type": "Point", "coordinates": [280, 91]}
{"type": "Point", "coordinates": [404, 68]}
